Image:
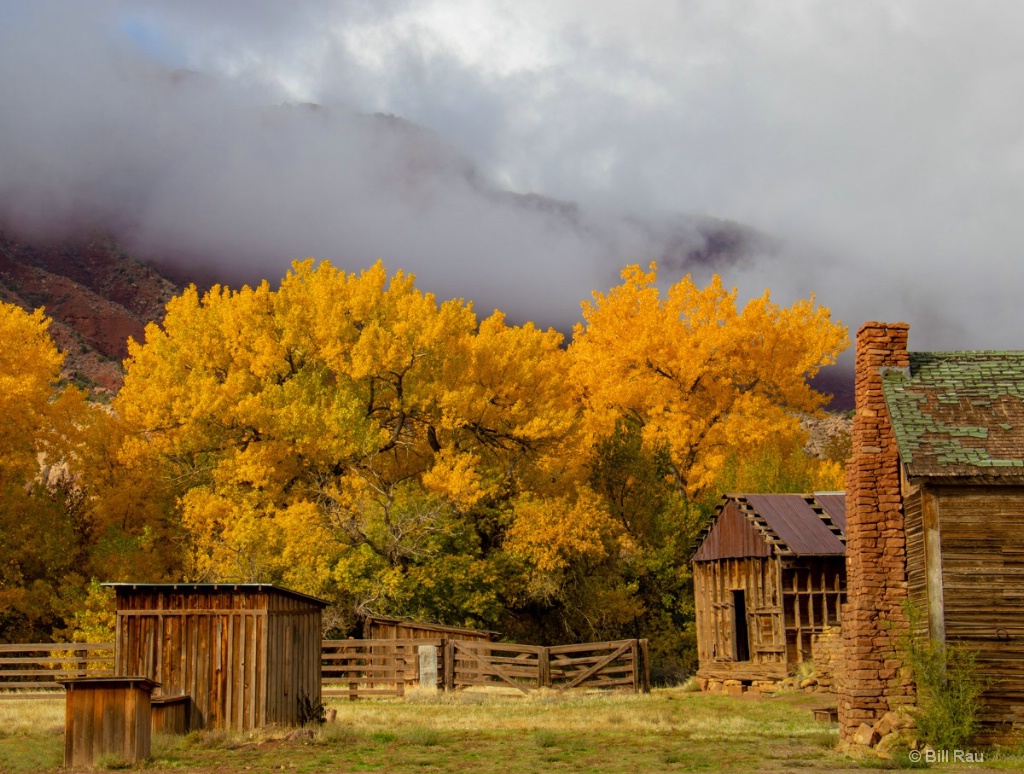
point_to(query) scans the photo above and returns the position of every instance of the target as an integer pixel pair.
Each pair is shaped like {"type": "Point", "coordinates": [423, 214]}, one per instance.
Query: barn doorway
{"type": "Point", "coordinates": [740, 638]}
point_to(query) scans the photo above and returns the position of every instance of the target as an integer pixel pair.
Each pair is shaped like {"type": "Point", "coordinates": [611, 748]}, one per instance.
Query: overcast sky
{"type": "Point", "coordinates": [881, 142]}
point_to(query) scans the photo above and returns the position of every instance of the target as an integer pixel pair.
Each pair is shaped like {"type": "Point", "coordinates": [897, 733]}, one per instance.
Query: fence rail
{"type": "Point", "coordinates": [41, 665]}
{"type": "Point", "coordinates": [619, 664]}
{"type": "Point", "coordinates": [366, 668]}
{"type": "Point", "coordinates": [362, 668]}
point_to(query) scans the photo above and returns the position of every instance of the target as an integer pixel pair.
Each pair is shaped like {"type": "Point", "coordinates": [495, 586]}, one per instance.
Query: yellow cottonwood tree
{"type": "Point", "coordinates": [29, 369]}
{"type": "Point", "coordinates": [349, 434]}
{"type": "Point", "coordinates": [704, 379]}
{"type": "Point", "coordinates": [46, 530]}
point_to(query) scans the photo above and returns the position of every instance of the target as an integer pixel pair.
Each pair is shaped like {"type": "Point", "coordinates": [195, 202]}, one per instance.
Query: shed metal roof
{"type": "Point", "coordinates": [959, 414]}
{"type": "Point", "coordinates": [791, 524]}
{"type": "Point", "coordinates": [208, 587]}
{"type": "Point", "coordinates": [834, 504]}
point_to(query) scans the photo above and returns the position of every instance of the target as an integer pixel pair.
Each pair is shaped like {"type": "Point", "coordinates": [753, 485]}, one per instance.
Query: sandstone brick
{"type": "Point", "coordinates": [865, 735]}
{"type": "Point", "coordinates": [876, 572]}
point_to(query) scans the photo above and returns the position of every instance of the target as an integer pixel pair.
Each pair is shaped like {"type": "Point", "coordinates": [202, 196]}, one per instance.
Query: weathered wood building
{"type": "Point", "coordinates": [245, 654]}
{"type": "Point", "coordinates": [768, 575]}
{"type": "Point", "coordinates": [378, 627]}
{"type": "Point", "coordinates": [941, 455]}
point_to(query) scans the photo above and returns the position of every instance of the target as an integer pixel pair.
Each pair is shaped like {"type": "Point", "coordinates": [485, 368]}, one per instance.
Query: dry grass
{"type": "Point", "coordinates": [665, 711]}
{"type": "Point", "coordinates": [485, 731]}
{"type": "Point", "coordinates": [24, 717]}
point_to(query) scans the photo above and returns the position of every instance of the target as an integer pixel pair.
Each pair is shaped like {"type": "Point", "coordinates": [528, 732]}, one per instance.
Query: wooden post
{"type": "Point", "coordinates": [449, 665]}
{"type": "Point", "coordinates": [634, 652]}
{"type": "Point", "coordinates": [543, 668]}
{"type": "Point", "coordinates": [353, 687]}
{"type": "Point", "coordinates": [645, 673]}
{"type": "Point", "coordinates": [933, 566]}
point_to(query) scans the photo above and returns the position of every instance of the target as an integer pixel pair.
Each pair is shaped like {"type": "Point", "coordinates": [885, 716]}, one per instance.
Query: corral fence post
{"type": "Point", "coordinates": [449, 665]}
{"type": "Point", "coordinates": [543, 668]}
{"type": "Point", "coordinates": [645, 666]}
{"type": "Point", "coordinates": [634, 657]}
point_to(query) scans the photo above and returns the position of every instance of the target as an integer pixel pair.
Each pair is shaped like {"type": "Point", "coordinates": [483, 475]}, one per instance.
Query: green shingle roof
{"type": "Point", "coordinates": [959, 413]}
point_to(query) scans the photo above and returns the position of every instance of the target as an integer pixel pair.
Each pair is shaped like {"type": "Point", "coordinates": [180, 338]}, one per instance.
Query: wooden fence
{"type": "Point", "coordinates": [362, 668]}
{"type": "Point", "coordinates": [37, 665]}
{"type": "Point", "coordinates": [620, 664]}
{"type": "Point", "coordinates": [366, 668]}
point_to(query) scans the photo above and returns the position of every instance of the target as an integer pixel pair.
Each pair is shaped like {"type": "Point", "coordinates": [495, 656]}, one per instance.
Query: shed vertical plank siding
{"type": "Point", "coordinates": [108, 715]}
{"type": "Point", "coordinates": [983, 591]}
{"type": "Point", "coordinates": [244, 653]}
{"type": "Point", "coordinates": [917, 579]}
{"type": "Point", "coordinates": [714, 583]}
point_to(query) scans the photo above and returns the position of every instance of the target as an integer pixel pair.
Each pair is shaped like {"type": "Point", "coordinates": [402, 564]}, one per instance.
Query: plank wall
{"type": "Point", "coordinates": [917, 580]}
{"type": "Point", "coordinates": [760, 580]}
{"type": "Point", "coordinates": [240, 655]}
{"type": "Point", "coordinates": [982, 534]}
{"type": "Point", "coordinates": [293, 666]}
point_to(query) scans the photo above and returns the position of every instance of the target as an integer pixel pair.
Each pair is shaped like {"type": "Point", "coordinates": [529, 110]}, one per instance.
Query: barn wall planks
{"type": "Point", "coordinates": [787, 601]}
{"type": "Point", "coordinates": [982, 533]}
{"type": "Point", "coordinates": [917, 582]}
{"type": "Point", "coordinates": [385, 628]}
{"type": "Point", "coordinates": [246, 655]}
{"type": "Point", "coordinates": [761, 581]}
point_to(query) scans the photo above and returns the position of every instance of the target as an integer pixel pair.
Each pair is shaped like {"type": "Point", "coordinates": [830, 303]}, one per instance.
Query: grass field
{"type": "Point", "coordinates": [669, 730]}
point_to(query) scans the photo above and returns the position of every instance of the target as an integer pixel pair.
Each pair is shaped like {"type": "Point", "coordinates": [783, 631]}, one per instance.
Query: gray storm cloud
{"type": "Point", "coordinates": [878, 145]}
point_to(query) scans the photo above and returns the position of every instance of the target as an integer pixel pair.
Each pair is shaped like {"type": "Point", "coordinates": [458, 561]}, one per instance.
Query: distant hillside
{"type": "Point", "coordinates": [96, 293]}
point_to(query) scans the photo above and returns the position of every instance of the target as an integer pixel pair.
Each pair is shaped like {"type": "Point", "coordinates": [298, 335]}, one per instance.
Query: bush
{"type": "Point", "coordinates": [949, 689]}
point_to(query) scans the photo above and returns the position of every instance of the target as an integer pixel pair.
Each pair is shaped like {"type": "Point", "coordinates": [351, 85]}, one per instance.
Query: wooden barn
{"type": "Point", "coordinates": [245, 654]}
{"type": "Point", "coordinates": [958, 420]}
{"type": "Point", "coordinates": [768, 574]}
{"type": "Point", "coordinates": [385, 628]}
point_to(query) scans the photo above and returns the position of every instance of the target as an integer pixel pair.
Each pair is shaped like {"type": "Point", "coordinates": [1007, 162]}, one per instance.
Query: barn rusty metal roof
{"type": "Point", "coordinates": [834, 504]}
{"type": "Point", "coordinates": [797, 521]}
{"type": "Point", "coordinates": [959, 414]}
{"type": "Point", "coordinates": [790, 524]}
{"type": "Point", "coordinates": [168, 588]}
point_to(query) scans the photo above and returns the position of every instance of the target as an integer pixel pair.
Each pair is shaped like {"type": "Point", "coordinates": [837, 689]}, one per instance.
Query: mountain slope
{"type": "Point", "coordinates": [96, 293]}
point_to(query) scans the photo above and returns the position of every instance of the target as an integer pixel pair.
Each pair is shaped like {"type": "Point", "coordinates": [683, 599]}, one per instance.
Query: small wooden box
{"type": "Point", "coordinates": [107, 716]}
{"type": "Point", "coordinates": [170, 714]}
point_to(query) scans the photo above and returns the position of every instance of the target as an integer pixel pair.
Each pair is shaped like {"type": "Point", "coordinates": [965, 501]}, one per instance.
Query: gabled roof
{"type": "Point", "coordinates": [206, 588]}
{"type": "Point", "coordinates": [959, 414]}
{"type": "Point", "coordinates": [781, 524]}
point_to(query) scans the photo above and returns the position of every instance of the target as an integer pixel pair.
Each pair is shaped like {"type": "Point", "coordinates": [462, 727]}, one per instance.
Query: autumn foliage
{"type": "Point", "coordinates": [349, 436]}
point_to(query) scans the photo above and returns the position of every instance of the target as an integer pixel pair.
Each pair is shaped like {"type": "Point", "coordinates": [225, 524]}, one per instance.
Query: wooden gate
{"type": "Point", "coordinates": [474, 663]}
{"type": "Point", "coordinates": [620, 664]}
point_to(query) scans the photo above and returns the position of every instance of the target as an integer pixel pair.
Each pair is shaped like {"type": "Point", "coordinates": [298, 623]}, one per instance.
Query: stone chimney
{"type": "Point", "coordinates": [876, 576]}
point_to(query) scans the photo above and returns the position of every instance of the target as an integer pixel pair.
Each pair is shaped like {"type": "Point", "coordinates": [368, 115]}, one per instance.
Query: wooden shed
{"type": "Point", "coordinates": [768, 575]}
{"type": "Point", "coordinates": [246, 654]}
{"type": "Point", "coordinates": [385, 628]}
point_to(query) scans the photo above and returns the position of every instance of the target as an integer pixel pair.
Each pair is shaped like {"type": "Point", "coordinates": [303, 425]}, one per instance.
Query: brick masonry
{"type": "Point", "coordinates": [876, 576]}
{"type": "Point", "coordinates": [827, 652]}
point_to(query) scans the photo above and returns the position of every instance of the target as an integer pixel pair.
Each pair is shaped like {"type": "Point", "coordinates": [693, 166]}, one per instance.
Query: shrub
{"type": "Point", "coordinates": [949, 688]}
